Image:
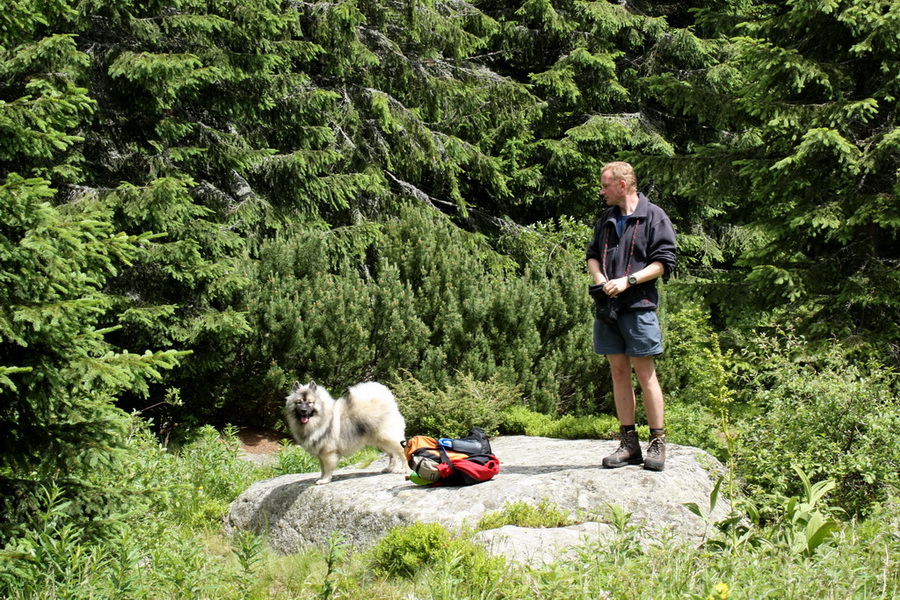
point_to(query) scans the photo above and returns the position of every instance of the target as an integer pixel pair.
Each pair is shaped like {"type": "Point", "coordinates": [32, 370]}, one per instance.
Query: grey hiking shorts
{"type": "Point", "coordinates": [636, 333]}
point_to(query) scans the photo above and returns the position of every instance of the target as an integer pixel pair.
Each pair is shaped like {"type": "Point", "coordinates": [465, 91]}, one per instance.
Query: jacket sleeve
{"type": "Point", "coordinates": [594, 248]}
{"type": "Point", "coordinates": [661, 245]}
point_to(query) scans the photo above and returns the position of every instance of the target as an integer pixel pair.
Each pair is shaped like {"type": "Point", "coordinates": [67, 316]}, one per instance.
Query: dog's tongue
{"type": "Point", "coordinates": [304, 419]}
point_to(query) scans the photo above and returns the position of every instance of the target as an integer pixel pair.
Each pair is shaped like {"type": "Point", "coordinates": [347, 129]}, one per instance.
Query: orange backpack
{"type": "Point", "coordinates": [445, 461]}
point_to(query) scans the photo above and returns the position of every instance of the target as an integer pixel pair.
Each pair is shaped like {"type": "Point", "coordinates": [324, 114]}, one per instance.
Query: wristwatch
{"type": "Point", "coordinates": [632, 280]}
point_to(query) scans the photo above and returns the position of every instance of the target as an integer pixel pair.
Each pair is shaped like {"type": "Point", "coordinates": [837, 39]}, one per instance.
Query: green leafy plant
{"type": "Point", "coordinates": [734, 531]}
{"type": "Point", "coordinates": [335, 555]}
{"type": "Point", "coordinates": [717, 591]}
{"type": "Point", "coordinates": [291, 458]}
{"type": "Point", "coordinates": [806, 523]}
{"type": "Point", "coordinates": [524, 514]}
{"type": "Point", "coordinates": [248, 549]}
{"type": "Point", "coordinates": [622, 546]}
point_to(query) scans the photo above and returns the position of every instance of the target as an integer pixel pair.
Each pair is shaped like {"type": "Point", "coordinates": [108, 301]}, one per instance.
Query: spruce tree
{"type": "Point", "coordinates": [218, 124]}
{"type": "Point", "coordinates": [417, 108]}
{"type": "Point", "coordinates": [178, 147]}
{"type": "Point", "coordinates": [804, 164]}
{"type": "Point", "coordinates": [590, 64]}
{"type": "Point", "coordinates": [59, 376]}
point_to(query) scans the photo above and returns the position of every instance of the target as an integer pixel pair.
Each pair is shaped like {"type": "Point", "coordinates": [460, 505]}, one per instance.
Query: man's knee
{"type": "Point", "coordinates": [644, 369]}
{"type": "Point", "coordinates": [620, 366]}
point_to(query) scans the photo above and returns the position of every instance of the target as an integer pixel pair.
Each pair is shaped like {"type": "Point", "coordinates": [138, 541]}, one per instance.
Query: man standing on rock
{"type": "Point", "coordinates": [633, 245]}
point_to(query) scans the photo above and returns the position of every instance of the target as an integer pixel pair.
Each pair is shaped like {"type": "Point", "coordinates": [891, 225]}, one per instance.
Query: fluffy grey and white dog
{"type": "Point", "coordinates": [329, 429]}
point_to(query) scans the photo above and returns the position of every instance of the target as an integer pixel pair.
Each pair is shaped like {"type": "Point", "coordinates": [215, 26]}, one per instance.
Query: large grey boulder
{"type": "Point", "coordinates": [363, 504]}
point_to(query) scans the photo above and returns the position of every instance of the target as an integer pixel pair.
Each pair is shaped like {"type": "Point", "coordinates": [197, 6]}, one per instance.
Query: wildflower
{"type": "Point", "coordinates": [721, 591]}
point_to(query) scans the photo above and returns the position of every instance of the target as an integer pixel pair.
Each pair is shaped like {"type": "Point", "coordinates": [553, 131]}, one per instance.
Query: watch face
{"type": "Point", "coordinates": [632, 280]}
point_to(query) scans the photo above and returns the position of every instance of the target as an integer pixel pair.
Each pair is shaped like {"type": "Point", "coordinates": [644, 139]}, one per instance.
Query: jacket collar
{"type": "Point", "coordinates": [639, 213]}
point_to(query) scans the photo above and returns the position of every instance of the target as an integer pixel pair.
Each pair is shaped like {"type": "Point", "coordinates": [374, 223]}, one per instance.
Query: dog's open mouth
{"type": "Point", "coordinates": [305, 414]}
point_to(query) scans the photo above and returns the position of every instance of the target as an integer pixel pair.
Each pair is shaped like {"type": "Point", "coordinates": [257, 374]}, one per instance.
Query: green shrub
{"type": "Point", "coordinates": [699, 378]}
{"type": "Point", "coordinates": [434, 557]}
{"type": "Point", "coordinates": [523, 514]}
{"type": "Point", "coordinates": [453, 411]}
{"type": "Point", "coordinates": [693, 424]}
{"type": "Point", "coordinates": [416, 295]}
{"type": "Point", "coordinates": [518, 420]}
{"type": "Point", "coordinates": [317, 318]}
{"type": "Point", "coordinates": [683, 369]}
{"type": "Point", "coordinates": [833, 419]}
{"type": "Point", "coordinates": [404, 551]}
{"type": "Point", "coordinates": [603, 427]}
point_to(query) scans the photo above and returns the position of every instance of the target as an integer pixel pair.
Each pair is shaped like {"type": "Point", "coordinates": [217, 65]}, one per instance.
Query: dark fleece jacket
{"type": "Point", "coordinates": [654, 240]}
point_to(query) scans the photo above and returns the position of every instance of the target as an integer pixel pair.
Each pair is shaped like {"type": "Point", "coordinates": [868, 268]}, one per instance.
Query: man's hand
{"type": "Point", "coordinates": [614, 287]}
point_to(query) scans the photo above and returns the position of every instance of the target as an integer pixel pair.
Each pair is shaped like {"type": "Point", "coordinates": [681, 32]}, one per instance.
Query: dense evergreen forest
{"type": "Point", "coordinates": [204, 200]}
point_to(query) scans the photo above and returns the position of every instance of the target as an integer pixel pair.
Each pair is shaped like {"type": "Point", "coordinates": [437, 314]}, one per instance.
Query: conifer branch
{"type": "Point", "coordinates": [420, 195]}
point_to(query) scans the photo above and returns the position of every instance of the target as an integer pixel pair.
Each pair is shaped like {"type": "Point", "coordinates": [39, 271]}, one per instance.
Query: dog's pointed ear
{"type": "Point", "coordinates": [297, 386]}
{"type": "Point", "coordinates": [312, 385]}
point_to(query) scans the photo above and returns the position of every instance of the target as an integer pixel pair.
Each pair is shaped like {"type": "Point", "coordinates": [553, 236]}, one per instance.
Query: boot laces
{"type": "Point", "coordinates": [655, 447]}
{"type": "Point", "coordinates": [627, 441]}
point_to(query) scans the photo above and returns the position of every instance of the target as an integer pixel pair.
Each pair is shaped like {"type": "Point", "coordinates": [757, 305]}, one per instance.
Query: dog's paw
{"type": "Point", "coordinates": [393, 466]}
{"type": "Point", "coordinates": [323, 481]}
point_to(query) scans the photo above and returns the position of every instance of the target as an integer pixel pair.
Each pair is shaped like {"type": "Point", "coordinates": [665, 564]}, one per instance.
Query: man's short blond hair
{"type": "Point", "coordinates": [622, 170]}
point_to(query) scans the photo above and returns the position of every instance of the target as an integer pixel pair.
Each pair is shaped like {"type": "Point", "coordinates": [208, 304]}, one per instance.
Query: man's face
{"type": "Point", "coordinates": [611, 189]}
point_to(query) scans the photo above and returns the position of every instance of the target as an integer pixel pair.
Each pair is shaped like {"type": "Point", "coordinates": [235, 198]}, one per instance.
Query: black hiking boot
{"type": "Point", "coordinates": [655, 455]}
{"type": "Point", "coordinates": [629, 452]}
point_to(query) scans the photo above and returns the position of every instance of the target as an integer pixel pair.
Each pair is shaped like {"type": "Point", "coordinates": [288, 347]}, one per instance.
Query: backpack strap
{"type": "Point", "coordinates": [444, 458]}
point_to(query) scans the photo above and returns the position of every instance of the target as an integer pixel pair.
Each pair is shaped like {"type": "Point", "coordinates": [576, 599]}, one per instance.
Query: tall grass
{"type": "Point", "coordinates": [170, 546]}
